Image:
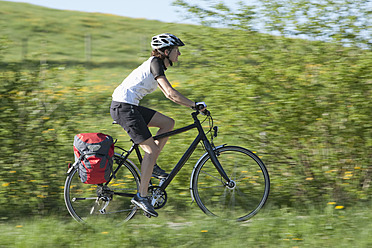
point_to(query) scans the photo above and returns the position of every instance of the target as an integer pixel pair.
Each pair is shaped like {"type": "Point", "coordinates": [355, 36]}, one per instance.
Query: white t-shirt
{"type": "Point", "coordinates": [140, 82]}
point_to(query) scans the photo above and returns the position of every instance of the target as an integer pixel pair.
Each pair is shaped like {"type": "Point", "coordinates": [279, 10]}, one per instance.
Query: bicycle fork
{"type": "Point", "coordinates": [213, 156]}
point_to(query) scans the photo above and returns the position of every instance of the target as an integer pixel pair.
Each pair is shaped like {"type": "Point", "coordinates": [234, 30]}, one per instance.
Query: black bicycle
{"type": "Point", "coordinates": [227, 181]}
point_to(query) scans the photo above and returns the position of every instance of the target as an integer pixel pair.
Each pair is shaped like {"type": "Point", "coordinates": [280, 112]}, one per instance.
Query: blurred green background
{"type": "Point", "coordinates": [304, 106]}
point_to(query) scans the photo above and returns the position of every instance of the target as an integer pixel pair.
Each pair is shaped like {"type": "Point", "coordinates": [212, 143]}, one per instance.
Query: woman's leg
{"type": "Point", "coordinates": [149, 160]}
{"type": "Point", "coordinates": [153, 148]}
{"type": "Point", "coordinates": [165, 124]}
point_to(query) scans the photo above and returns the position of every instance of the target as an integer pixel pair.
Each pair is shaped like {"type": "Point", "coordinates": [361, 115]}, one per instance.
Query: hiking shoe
{"type": "Point", "coordinates": [144, 204]}
{"type": "Point", "coordinates": [159, 172]}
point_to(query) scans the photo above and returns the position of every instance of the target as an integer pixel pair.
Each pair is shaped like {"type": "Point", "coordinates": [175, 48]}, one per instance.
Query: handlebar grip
{"type": "Point", "coordinates": [200, 105]}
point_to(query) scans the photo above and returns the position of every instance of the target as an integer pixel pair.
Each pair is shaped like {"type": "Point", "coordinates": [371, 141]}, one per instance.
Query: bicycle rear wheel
{"type": "Point", "coordinates": [90, 203]}
{"type": "Point", "coordinates": [239, 201]}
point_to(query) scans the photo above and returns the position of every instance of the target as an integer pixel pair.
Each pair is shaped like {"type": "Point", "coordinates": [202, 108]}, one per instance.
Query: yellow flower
{"type": "Point", "coordinates": [339, 207]}
{"type": "Point", "coordinates": [331, 203]}
{"type": "Point", "coordinates": [175, 84]}
{"type": "Point", "coordinates": [5, 184]}
{"type": "Point", "coordinates": [204, 231]}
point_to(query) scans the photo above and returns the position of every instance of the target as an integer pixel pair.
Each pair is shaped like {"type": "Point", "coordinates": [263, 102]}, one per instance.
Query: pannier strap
{"type": "Point", "coordinates": [91, 153]}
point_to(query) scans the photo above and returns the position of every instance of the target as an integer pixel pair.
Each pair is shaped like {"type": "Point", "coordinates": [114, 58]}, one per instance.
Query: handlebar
{"type": "Point", "coordinates": [201, 107]}
{"type": "Point", "coordinates": [206, 112]}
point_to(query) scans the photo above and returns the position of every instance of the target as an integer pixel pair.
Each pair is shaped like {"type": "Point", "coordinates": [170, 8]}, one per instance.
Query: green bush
{"type": "Point", "coordinates": [304, 106]}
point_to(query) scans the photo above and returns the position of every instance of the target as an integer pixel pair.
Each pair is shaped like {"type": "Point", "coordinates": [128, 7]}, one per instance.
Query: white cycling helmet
{"type": "Point", "coordinates": [165, 40]}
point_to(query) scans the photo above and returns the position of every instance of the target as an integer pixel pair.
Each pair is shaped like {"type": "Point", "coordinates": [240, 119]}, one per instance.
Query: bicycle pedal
{"type": "Point", "coordinates": [147, 215]}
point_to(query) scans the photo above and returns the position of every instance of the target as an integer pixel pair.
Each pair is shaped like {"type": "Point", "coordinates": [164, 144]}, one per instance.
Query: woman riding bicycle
{"type": "Point", "coordinates": [136, 119]}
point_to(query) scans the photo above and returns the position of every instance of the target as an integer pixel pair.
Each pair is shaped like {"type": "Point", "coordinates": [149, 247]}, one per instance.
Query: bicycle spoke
{"type": "Point", "coordinates": [223, 184]}
{"type": "Point", "coordinates": [209, 187]}
{"type": "Point", "coordinates": [83, 198]}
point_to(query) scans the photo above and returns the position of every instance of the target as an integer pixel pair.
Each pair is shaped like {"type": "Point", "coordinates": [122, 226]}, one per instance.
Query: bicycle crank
{"type": "Point", "coordinates": [158, 196]}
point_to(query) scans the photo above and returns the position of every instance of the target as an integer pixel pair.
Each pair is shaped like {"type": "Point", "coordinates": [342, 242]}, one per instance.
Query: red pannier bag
{"type": "Point", "coordinates": [94, 152]}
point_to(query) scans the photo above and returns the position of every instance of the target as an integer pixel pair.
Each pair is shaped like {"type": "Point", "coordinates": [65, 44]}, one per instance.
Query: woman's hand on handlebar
{"type": "Point", "coordinates": [201, 107]}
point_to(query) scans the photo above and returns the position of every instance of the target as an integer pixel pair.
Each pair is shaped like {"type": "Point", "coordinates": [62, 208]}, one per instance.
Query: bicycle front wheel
{"type": "Point", "coordinates": [90, 203]}
{"type": "Point", "coordinates": [240, 200]}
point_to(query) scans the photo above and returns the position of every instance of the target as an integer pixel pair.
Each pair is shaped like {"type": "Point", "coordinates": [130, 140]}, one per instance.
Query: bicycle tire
{"type": "Point", "coordinates": [252, 184]}
{"type": "Point", "coordinates": [84, 201]}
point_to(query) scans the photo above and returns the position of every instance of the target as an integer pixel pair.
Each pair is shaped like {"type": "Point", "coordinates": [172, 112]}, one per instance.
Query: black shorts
{"type": "Point", "coordinates": [134, 119]}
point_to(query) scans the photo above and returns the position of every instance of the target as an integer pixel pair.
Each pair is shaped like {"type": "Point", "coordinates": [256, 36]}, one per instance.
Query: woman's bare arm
{"type": "Point", "coordinates": [172, 93]}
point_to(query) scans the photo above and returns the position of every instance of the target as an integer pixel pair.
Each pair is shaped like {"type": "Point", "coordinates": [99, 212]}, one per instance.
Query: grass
{"type": "Point", "coordinates": [274, 228]}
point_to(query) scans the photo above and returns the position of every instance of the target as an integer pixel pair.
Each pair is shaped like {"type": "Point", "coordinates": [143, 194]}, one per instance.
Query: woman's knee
{"type": "Point", "coordinates": [150, 147]}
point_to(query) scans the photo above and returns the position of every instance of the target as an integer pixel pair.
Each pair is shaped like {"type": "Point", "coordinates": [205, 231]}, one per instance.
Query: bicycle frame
{"type": "Point", "coordinates": [200, 137]}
